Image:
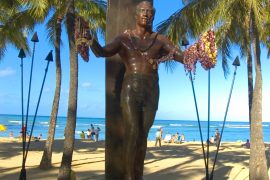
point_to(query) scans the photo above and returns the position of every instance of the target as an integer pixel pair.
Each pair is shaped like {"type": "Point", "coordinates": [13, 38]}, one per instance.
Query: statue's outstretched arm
{"type": "Point", "coordinates": [108, 50]}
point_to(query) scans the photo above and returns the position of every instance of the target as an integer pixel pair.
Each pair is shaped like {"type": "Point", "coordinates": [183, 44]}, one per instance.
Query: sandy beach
{"type": "Point", "coordinates": [171, 161]}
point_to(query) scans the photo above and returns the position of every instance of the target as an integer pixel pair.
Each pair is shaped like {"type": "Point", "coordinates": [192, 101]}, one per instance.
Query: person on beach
{"type": "Point", "coordinates": [11, 134]}
{"type": "Point", "coordinates": [247, 144]}
{"type": "Point", "coordinates": [23, 131]}
{"type": "Point", "coordinates": [82, 135]}
{"type": "Point", "coordinates": [93, 133]}
{"type": "Point", "coordinates": [40, 136]}
{"type": "Point", "coordinates": [158, 137]}
{"type": "Point", "coordinates": [212, 140]}
{"type": "Point", "coordinates": [88, 134]}
{"type": "Point", "coordinates": [141, 51]}
{"type": "Point", "coordinates": [174, 138]}
{"type": "Point", "coordinates": [37, 138]}
{"type": "Point", "coordinates": [217, 137]}
{"type": "Point", "coordinates": [97, 130]}
{"type": "Point", "coordinates": [183, 139]}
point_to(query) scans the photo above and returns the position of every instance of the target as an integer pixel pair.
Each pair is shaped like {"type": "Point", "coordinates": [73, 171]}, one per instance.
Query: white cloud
{"type": "Point", "coordinates": [7, 72]}
{"type": "Point", "coordinates": [86, 85]}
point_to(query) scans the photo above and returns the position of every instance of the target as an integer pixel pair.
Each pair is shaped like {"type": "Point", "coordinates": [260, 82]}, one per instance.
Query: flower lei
{"type": "Point", "coordinates": [204, 51]}
{"type": "Point", "coordinates": [82, 36]}
{"type": "Point", "coordinates": [207, 50]}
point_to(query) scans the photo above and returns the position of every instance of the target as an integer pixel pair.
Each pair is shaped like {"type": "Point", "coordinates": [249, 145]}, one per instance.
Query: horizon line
{"type": "Point", "coordinates": [84, 117]}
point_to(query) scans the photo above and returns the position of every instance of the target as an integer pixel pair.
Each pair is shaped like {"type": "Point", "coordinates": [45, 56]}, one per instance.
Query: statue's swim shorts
{"type": "Point", "coordinates": [140, 91]}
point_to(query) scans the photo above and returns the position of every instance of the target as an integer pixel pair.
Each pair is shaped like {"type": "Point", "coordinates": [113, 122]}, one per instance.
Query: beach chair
{"type": "Point", "coordinates": [167, 138]}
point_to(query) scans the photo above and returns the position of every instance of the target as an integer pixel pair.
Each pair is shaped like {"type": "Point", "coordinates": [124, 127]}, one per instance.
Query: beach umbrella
{"type": "Point", "coordinates": [3, 127]}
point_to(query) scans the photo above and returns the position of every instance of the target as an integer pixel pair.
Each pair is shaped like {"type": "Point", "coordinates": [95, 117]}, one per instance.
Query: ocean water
{"type": "Point", "coordinates": [233, 131]}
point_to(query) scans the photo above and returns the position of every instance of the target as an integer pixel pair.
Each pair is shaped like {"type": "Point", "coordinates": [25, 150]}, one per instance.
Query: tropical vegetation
{"type": "Point", "coordinates": [94, 12]}
{"type": "Point", "coordinates": [17, 18]}
{"type": "Point", "coordinates": [242, 23]}
{"type": "Point", "coordinates": [236, 22]}
{"type": "Point", "coordinates": [21, 16]}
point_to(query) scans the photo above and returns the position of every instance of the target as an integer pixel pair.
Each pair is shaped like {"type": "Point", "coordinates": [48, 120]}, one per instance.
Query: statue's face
{"type": "Point", "coordinates": [145, 14]}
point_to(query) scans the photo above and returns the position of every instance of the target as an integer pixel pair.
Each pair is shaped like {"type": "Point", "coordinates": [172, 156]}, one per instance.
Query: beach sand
{"type": "Point", "coordinates": [170, 162]}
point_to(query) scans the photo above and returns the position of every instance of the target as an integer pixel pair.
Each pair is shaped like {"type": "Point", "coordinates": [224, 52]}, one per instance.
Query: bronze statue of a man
{"type": "Point", "coordinates": [141, 50]}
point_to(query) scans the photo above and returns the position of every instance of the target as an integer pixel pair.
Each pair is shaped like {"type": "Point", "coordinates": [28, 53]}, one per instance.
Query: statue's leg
{"type": "Point", "coordinates": [131, 115]}
{"type": "Point", "coordinates": [148, 119]}
{"type": "Point", "coordinates": [150, 105]}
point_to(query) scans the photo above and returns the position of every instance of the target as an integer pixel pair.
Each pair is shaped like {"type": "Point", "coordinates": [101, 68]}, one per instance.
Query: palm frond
{"type": "Point", "coordinates": [37, 9]}
{"type": "Point", "coordinates": [18, 17]}
{"type": "Point", "coordinates": [94, 11]}
{"type": "Point", "coordinates": [225, 67]}
{"type": "Point", "coordinates": [170, 66]}
{"type": "Point", "coordinates": [173, 28]}
{"type": "Point", "coordinates": [51, 29]}
{"type": "Point", "coordinates": [2, 51]}
{"type": "Point", "coordinates": [260, 14]}
{"type": "Point", "coordinates": [224, 44]}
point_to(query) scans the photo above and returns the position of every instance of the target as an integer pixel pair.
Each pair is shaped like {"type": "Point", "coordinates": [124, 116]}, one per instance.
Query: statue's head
{"type": "Point", "coordinates": [145, 14]}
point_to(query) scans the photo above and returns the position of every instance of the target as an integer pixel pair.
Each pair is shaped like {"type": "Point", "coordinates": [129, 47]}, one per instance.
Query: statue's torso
{"type": "Point", "coordinates": [140, 55]}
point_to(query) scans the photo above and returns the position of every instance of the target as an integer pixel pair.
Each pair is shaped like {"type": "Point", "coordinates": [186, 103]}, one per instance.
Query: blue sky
{"type": "Point", "coordinates": [176, 98]}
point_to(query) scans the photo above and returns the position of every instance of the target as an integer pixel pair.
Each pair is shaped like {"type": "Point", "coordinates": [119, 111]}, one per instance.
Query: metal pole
{"type": "Point", "coordinates": [23, 172]}
{"type": "Point", "coordinates": [33, 123]}
{"type": "Point", "coordinates": [208, 127]}
{"type": "Point", "coordinates": [185, 43]}
{"type": "Point", "coordinates": [34, 39]}
{"type": "Point", "coordinates": [49, 59]}
{"type": "Point", "coordinates": [198, 117]}
{"type": "Point", "coordinates": [236, 63]}
{"type": "Point", "coordinates": [24, 129]}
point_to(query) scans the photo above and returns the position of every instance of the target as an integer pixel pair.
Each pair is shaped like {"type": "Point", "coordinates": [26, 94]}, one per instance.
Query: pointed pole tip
{"type": "Point", "coordinates": [185, 42]}
{"type": "Point", "coordinates": [49, 56]}
{"type": "Point", "coordinates": [236, 62]}
{"type": "Point", "coordinates": [21, 53]}
{"type": "Point", "coordinates": [35, 37]}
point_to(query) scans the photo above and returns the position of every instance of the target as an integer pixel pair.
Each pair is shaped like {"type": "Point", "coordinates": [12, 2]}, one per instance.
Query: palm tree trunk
{"type": "Point", "coordinates": [65, 169]}
{"type": "Point", "coordinates": [46, 161]}
{"type": "Point", "coordinates": [258, 164]}
{"type": "Point", "coordinates": [120, 16]}
{"type": "Point", "coordinates": [250, 81]}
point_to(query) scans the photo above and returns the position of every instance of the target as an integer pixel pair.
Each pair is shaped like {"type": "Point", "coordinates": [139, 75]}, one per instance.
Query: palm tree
{"type": "Point", "coordinates": [46, 160]}
{"type": "Point", "coordinates": [231, 29]}
{"type": "Point", "coordinates": [94, 11]}
{"type": "Point", "coordinates": [266, 37]}
{"type": "Point", "coordinates": [65, 168]}
{"type": "Point", "coordinates": [258, 163]}
{"type": "Point", "coordinates": [15, 19]}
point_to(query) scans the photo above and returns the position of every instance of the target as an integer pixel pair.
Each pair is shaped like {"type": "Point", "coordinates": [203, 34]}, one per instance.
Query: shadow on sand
{"type": "Point", "coordinates": [180, 158]}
